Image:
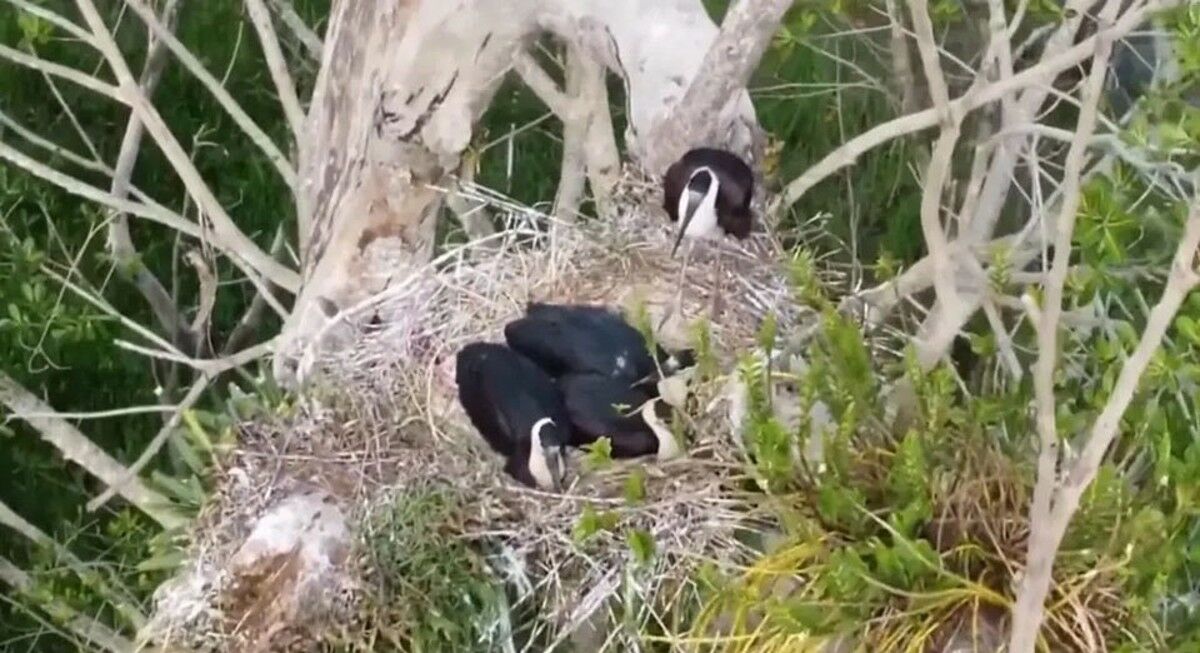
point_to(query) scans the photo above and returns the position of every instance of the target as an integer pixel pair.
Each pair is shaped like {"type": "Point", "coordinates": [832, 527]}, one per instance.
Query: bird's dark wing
{"type": "Point", "coordinates": [505, 394]}
{"type": "Point", "coordinates": [601, 406]}
{"type": "Point", "coordinates": [673, 182]}
{"type": "Point", "coordinates": [580, 339]}
{"type": "Point", "coordinates": [475, 375]}
{"type": "Point", "coordinates": [544, 340]}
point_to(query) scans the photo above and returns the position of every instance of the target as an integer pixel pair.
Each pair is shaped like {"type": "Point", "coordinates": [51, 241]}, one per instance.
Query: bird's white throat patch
{"type": "Point", "coordinates": [668, 446]}
{"type": "Point", "coordinates": [704, 221]}
{"type": "Point", "coordinates": [539, 467]}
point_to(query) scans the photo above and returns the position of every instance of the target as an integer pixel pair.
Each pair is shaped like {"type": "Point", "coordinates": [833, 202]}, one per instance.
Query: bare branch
{"type": "Point", "coordinates": [284, 86]}
{"type": "Point", "coordinates": [194, 66]}
{"type": "Point", "coordinates": [603, 160]}
{"type": "Point", "coordinates": [77, 448]}
{"type": "Point", "coordinates": [1044, 542]}
{"type": "Point", "coordinates": [155, 213]}
{"type": "Point", "coordinates": [252, 318]}
{"type": "Point", "coordinates": [242, 251]}
{"type": "Point", "coordinates": [207, 291]}
{"type": "Point", "coordinates": [303, 33]}
{"type": "Point", "coordinates": [849, 152]}
{"type": "Point", "coordinates": [940, 159]}
{"type": "Point", "coordinates": [52, 148]}
{"type": "Point", "coordinates": [209, 366]}
{"type": "Point", "coordinates": [545, 88]}
{"type": "Point", "coordinates": [120, 241]}
{"type": "Point", "coordinates": [63, 72]}
{"type": "Point", "coordinates": [573, 176]}
{"type": "Point", "coordinates": [1027, 614]}
{"type": "Point", "coordinates": [156, 444]}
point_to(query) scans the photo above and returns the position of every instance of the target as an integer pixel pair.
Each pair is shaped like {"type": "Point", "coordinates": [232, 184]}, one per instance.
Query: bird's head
{"type": "Point", "coordinates": [700, 193]}
{"type": "Point", "coordinates": [547, 459]}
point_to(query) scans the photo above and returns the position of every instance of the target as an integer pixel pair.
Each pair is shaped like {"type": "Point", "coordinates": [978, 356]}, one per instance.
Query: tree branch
{"type": "Point", "coordinates": [194, 66]}
{"type": "Point", "coordinates": [242, 251]}
{"type": "Point", "coordinates": [156, 444]}
{"type": "Point", "coordinates": [303, 33]}
{"type": "Point", "coordinates": [1028, 611]}
{"type": "Point", "coordinates": [940, 159]}
{"type": "Point", "coordinates": [849, 151]}
{"type": "Point", "coordinates": [277, 65]}
{"type": "Point", "coordinates": [120, 241]}
{"type": "Point", "coordinates": [745, 33]}
{"type": "Point", "coordinates": [1027, 614]}
{"type": "Point", "coordinates": [77, 448]}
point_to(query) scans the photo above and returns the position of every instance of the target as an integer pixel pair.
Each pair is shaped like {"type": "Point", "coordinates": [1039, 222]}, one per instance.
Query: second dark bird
{"type": "Point", "coordinates": [606, 374]}
{"type": "Point", "coordinates": [517, 409]}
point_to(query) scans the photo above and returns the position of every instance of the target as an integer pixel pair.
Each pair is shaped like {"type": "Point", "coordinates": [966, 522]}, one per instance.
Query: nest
{"type": "Point", "coordinates": [381, 415]}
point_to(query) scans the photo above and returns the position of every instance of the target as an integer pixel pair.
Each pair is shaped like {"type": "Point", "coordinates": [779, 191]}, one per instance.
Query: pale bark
{"type": "Point", "coordinates": [703, 111]}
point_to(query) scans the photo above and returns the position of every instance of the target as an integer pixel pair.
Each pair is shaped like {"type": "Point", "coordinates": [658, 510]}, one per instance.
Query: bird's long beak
{"type": "Point", "coordinates": [557, 464]}
{"type": "Point", "coordinates": [694, 200]}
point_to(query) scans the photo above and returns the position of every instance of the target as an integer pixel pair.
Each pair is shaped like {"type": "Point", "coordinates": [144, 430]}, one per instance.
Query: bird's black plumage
{"type": "Point", "coordinates": [735, 187]}
{"type": "Point", "coordinates": [582, 339]}
{"type": "Point", "coordinates": [601, 406]}
{"type": "Point", "coordinates": [506, 396]}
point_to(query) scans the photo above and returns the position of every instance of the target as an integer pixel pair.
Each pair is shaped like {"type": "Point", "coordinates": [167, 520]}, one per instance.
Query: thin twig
{"type": "Point", "coordinates": [277, 65]}
{"type": "Point", "coordinates": [156, 443]}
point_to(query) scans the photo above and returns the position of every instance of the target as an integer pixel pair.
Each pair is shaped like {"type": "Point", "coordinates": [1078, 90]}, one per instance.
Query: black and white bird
{"type": "Point", "coordinates": [517, 409]}
{"type": "Point", "coordinates": [634, 418]}
{"type": "Point", "coordinates": [708, 192]}
{"type": "Point", "coordinates": [584, 339]}
{"type": "Point", "coordinates": [609, 380]}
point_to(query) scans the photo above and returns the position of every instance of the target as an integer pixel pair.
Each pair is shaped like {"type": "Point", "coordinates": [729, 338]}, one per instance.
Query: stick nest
{"type": "Point", "coordinates": [381, 416]}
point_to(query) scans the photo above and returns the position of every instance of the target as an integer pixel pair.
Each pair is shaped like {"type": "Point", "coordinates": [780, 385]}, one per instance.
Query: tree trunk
{"type": "Point", "coordinates": [401, 86]}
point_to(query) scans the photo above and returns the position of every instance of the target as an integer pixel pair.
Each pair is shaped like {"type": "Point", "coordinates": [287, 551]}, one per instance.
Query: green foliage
{"type": "Point", "coordinates": [591, 523]}
{"type": "Point", "coordinates": [599, 454]}
{"type": "Point", "coordinates": [434, 593]}
{"type": "Point", "coordinates": [641, 545]}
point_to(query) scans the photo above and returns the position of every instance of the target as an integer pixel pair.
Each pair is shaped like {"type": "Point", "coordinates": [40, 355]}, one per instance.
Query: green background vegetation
{"type": "Point", "coordinates": [891, 567]}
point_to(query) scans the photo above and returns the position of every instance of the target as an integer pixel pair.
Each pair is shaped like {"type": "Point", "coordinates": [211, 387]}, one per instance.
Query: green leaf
{"type": "Point", "coordinates": [591, 522]}
{"type": "Point", "coordinates": [163, 562]}
{"type": "Point", "coordinates": [635, 486]}
{"type": "Point", "coordinates": [641, 545]}
{"type": "Point", "coordinates": [599, 455]}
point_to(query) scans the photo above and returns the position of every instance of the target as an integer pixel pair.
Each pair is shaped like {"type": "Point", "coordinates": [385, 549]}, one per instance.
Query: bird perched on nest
{"type": "Point", "coordinates": [611, 384]}
{"type": "Point", "coordinates": [516, 407]}
{"type": "Point", "coordinates": [708, 192]}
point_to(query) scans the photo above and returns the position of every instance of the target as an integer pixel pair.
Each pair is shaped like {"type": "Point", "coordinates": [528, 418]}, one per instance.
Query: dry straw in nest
{"type": "Point", "coordinates": [381, 415]}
